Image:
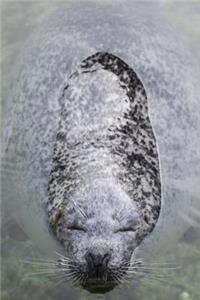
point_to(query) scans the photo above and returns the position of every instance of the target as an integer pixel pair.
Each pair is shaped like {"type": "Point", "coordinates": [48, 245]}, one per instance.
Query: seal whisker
{"type": "Point", "coordinates": [116, 277]}
{"type": "Point", "coordinates": [43, 265]}
{"type": "Point", "coordinates": [155, 268]}
{"type": "Point", "coordinates": [74, 277]}
{"type": "Point", "coordinates": [40, 263]}
{"type": "Point", "coordinates": [135, 262]}
{"type": "Point", "coordinates": [154, 265]}
{"type": "Point", "coordinates": [66, 263]}
{"type": "Point", "coordinates": [159, 264]}
{"type": "Point", "coordinates": [64, 259]}
{"type": "Point", "coordinates": [62, 256]}
{"type": "Point", "coordinates": [40, 260]}
{"type": "Point", "coordinates": [65, 276]}
{"type": "Point", "coordinates": [131, 272]}
{"type": "Point", "coordinates": [50, 270]}
{"type": "Point", "coordinates": [43, 270]}
{"type": "Point", "coordinates": [48, 273]}
{"type": "Point", "coordinates": [118, 216]}
{"type": "Point", "coordinates": [85, 277]}
{"type": "Point", "coordinates": [80, 209]}
{"type": "Point", "coordinates": [61, 281]}
{"type": "Point", "coordinates": [153, 276]}
{"type": "Point", "coordinates": [70, 266]}
{"type": "Point", "coordinates": [78, 278]}
{"type": "Point", "coordinates": [158, 279]}
{"type": "Point", "coordinates": [47, 269]}
{"type": "Point", "coordinates": [47, 276]}
{"type": "Point", "coordinates": [150, 274]}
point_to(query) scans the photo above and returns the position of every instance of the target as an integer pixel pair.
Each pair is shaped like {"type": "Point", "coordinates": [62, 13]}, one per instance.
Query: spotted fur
{"type": "Point", "coordinates": [108, 135]}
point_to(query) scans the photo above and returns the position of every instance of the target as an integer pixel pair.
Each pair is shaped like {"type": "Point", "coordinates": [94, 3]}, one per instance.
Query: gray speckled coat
{"type": "Point", "coordinates": [141, 38]}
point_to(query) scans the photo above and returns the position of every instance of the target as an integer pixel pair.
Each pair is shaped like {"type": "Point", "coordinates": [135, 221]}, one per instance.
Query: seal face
{"type": "Point", "coordinates": [104, 187]}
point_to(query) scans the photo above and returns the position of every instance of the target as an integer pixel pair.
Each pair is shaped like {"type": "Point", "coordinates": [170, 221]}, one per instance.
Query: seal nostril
{"type": "Point", "coordinates": [106, 259]}
{"type": "Point", "coordinates": [97, 263]}
{"type": "Point", "coordinates": [90, 260]}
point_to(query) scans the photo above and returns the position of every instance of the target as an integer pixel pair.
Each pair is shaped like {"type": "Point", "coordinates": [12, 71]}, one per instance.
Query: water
{"type": "Point", "coordinates": [19, 20]}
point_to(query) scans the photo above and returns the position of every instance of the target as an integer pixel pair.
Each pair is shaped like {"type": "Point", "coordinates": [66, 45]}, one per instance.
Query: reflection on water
{"type": "Point", "coordinates": [174, 276]}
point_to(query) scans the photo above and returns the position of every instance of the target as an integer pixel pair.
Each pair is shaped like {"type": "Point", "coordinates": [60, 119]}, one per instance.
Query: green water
{"type": "Point", "coordinates": [19, 19]}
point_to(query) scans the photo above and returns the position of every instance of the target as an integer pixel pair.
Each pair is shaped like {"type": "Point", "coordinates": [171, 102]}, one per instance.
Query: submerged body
{"type": "Point", "coordinates": [103, 136]}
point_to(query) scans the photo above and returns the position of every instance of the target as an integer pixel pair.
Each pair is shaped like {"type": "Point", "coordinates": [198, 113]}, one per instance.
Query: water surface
{"type": "Point", "coordinates": [19, 20]}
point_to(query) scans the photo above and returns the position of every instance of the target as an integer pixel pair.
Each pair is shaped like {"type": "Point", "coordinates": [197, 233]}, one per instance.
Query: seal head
{"type": "Point", "coordinates": [95, 227]}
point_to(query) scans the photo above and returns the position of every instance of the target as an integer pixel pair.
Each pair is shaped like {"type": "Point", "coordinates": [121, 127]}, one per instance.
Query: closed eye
{"type": "Point", "coordinates": [75, 227]}
{"type": "Point", "coordinates": [126, 229]}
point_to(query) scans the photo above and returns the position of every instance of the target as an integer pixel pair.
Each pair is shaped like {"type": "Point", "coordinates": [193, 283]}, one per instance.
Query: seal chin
{"type": "Point", "coordinates": [100, 283]}
{"type": "Point", "coordinates": [96, 286]}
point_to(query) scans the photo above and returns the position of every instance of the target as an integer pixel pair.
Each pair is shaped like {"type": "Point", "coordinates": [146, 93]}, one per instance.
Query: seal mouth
{"type": "Point", "coordinates": [99, 286]}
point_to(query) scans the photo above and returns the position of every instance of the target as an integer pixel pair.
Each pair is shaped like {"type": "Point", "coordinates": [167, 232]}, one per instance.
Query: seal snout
{"type": "Point", "coordinates": [97, 264]}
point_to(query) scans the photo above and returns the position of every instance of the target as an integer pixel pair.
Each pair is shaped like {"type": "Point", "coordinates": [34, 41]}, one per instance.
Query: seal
{"type": "Point", "coordinates": [104, 188]}
{"type": "Point", "coordinates": [100, 137]}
